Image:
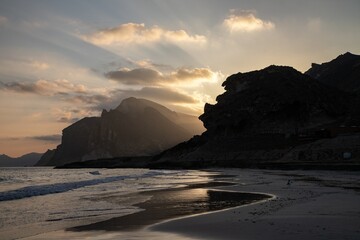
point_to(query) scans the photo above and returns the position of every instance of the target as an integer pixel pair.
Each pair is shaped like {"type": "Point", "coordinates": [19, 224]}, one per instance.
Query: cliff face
{"type": "Point", "coordinates": [273, 115]}
{"type": "Point", "coordinates": [137, 127]}
{"type": "Point", "coordinates": [273, 100]}
{"type": "Point", "coordinates": [342, 72]}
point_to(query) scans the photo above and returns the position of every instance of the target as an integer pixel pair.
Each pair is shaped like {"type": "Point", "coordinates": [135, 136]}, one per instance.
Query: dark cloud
{"type": "Point", "coordinates": [20, 87]}
{"type": "Point", "coordinates": [47, 138]}
{"type": "Point", "coordinates": [61, 89]}
{"type": "Point", "coordinates": [89, 99]}
{"type": "Point", "coordinates": [147, 76]}
{"type": "Point", "coordinates": [44, 87]}
{"type": "Point", "coordinates": [137, 76]}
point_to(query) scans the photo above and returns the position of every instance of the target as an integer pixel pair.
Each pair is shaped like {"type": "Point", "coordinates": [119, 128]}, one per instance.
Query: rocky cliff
{"type": "Point", "coordinates": [274, 115]}
{"type": "Point", "coordinates": [276, 99]}
{"type": "Point", "coordinates": [137, 127]}
{"type": "Point", "coordinates": [343, 72]}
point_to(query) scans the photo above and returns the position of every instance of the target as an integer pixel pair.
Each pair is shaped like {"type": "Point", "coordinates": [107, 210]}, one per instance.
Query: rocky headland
{"type": "Point", "coordinates": [276, 117]}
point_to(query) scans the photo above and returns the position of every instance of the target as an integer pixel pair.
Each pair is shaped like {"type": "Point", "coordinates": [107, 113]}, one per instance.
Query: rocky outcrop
{"type": "Point", "coordinates": [276, 99]}
{"type": "Point", "coordinates": [271, 116]}
{"type": "Point", "coordinates": [137, 127]}
{"type": "Point", "coordinates": [342, 72]}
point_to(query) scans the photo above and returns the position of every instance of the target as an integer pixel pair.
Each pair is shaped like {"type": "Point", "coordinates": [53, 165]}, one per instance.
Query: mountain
{"type": "Point", "coordinates": [137, 127]}
{"type": "Point", "coordinates": [26, 160]}
{"type": "Point", "coordinates": [342, 72]}
{"type": "Point", "coordinates": [272, 116]}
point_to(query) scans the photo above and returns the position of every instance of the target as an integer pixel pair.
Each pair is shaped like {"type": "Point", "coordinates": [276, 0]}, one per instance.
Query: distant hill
{"type": "Point", "coordinates": [343, 72]}
{"type": "Point", "coordinates": [137, 127]}
{"type": "Point", "coordinates": [26, 160]}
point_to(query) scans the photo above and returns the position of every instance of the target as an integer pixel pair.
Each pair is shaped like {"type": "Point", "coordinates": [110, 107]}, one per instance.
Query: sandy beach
{"type": "Point", "coordinates": [314, 205]}
{"type": "Point", "coordinates": [304, 205]}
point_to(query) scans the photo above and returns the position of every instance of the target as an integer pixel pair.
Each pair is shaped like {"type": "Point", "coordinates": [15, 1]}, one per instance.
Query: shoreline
{"type": "Point", "coordinates": [172, 203]}
{"type": "Point", "coordinates": [316, 205]}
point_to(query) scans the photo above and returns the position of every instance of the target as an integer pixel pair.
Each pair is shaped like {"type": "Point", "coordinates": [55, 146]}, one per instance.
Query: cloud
{"type": "Point", "coordinates": [44, 87]}
{"type": "Point", "coordinates": [171, 87]}
{"type": "Point", "coordinates": [53, 138]}
{"type": "Point", "coordinates": [89, 98]}
{"type": "Point", "coordinates": [3, 20]}
{"type": "Point", "coordinates": [246, 21]}
{"type": "Point", "coordinates": [134, 33]}
{"type": "Point", "coordinates": [158, 82]}
{"type": "Point", "coordinates": [135, 76]}
{"type": "Point", "coordinates": [47, 138]}
{"type": "Point", "coordinates": [184, 74]}
{"type": "Point", "coordinates": [147, 76]}
{"type": "Point", "coordinates": [80, 97]}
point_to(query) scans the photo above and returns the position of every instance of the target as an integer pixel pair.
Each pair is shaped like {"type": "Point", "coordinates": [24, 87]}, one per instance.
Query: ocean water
{"type": "Point", "coordinates": [38, 200]}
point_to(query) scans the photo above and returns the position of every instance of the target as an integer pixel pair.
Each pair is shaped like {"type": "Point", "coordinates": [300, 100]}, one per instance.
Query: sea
{"type": "Point", "coordinates": [37, 200]}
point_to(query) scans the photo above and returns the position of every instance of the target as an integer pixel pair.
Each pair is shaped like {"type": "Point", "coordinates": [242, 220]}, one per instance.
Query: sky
{"type": "Point", "coordinates": [64, 60]}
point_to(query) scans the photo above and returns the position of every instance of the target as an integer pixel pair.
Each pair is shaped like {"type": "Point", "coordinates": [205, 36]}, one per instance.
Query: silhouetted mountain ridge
{"type": "Point", "coordinates": [26, 160]}
{"type": "Point", "coordinates": [137, 127]}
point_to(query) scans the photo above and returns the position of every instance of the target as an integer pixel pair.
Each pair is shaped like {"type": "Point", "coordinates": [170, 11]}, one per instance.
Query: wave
{"type": "Point", "coordinates": [39, 190]}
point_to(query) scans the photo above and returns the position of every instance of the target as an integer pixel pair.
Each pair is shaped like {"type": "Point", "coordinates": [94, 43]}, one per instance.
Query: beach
{"type": "Point", "coordinates": [307, 205]}
{"type": "Point", "coordinates": [299, 205]}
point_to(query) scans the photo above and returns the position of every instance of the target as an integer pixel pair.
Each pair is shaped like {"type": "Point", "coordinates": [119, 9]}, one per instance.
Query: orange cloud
{"type": "Point", "coordinates": [246, 21]}
{"type": "Point", "coordinates": [191, 74]}
{"type": "Point", "coordinates": [129, 33]}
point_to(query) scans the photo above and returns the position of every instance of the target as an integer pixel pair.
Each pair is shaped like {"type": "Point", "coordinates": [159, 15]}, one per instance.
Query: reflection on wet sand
{"type": "Point", "coordinates": [177, 202]}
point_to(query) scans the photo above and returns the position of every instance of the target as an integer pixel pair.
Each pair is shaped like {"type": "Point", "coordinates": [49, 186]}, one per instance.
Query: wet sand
{"type": "Point", "coordinates": [319, 205]}
{"type": "Point", "coordinates": [177, 202]}
{"type": "Point", "coordinates": [314, 205]}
